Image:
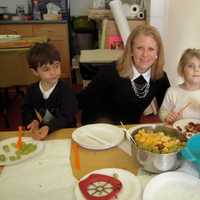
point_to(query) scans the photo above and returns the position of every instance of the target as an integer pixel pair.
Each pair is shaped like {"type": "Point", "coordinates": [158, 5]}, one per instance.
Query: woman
{"type": "Point", "coordinates": [116, 94]}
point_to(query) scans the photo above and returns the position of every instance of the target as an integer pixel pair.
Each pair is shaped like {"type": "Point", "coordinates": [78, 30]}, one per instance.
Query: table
{"type": "Point", "coordinates": [89, 159]}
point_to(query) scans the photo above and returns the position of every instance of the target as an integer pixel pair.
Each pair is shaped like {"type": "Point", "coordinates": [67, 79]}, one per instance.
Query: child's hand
{"type": "Point", "coordinates": [36, 132]}
{"type": "Point", "coordinates": [40, 133]}
{"type": "Point", "coordinates": [172, 117]}
{"type": "Point", "coordinates": [33, 125]}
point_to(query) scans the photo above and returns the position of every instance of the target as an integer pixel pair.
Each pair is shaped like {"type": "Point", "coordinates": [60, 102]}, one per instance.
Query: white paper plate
{"type": "Point", "coordinates": [40, 147]}
{"type": "Point", "coordinates": [172, 185]}
{"type": "Point", "coordinates": [9, 37]}
{"type": "Point", "coordinates": [98, 136]}
{"type": "Point", "coordinates": [131, 187]}
{"type": "Point", "coordinates": [183, 122]}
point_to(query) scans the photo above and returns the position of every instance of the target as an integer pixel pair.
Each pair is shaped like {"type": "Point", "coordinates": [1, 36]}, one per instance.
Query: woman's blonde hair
{"type": "Point", "coordinates": [124, 65]}
{"type": "Point", "coordinates": [187, 55]}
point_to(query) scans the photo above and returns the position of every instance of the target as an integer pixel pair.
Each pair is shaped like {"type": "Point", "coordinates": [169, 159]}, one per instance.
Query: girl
{"type": "Point", "coordinates": [183, 101]}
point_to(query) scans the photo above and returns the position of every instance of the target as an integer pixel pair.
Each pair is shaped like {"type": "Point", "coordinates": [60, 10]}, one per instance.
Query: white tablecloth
{"type": "Point", "coordinates": [47, 176]}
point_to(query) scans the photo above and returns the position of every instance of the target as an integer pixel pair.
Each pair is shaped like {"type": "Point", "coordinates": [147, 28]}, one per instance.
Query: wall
{"type": "Point", "coordinates": [183, 32]}
{"type": "Point", "coordinates": [80, 7]}
{"type": "Point", "coordinates": [179, 25]}
{"type": "Point", "coordinates": [159, 16]}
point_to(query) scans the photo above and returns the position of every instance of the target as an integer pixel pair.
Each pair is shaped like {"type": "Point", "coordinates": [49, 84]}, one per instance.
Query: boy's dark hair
{"type": "Point", "coordinates": [42, 53]}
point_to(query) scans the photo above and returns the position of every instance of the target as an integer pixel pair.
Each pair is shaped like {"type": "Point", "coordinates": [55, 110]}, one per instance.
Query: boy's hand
{"type": "Point", "coordinates": [33, 125]}
{"type": "Point", "coordinates": [40, 133]}
{"type": "Point", "coordinates": [36, 132]}
{"type": "Point", "coordinates": [172, 117]}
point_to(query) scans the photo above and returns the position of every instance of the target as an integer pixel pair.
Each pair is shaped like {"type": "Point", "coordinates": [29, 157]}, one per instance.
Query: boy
{"type": "Point", "coordinates": [49, 104]}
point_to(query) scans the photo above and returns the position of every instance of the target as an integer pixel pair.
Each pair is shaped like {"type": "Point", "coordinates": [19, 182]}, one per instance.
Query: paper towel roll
{"type": "Point", "coordinates": [126, 9]}
{"type": "Point", "coordinates": [120, 19]}
{"type": "Point", "coordinates": [140, 15]}
{"type": "Point", "coordinates": [134, 9]}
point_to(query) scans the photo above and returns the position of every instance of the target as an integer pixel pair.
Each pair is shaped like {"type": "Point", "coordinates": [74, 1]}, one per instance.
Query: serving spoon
{"type": "Point", "coordinates": [128, 135]}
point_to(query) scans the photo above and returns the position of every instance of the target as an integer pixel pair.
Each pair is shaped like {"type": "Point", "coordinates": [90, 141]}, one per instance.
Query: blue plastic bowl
{"type": "Point", "coordinates": [191, 151]}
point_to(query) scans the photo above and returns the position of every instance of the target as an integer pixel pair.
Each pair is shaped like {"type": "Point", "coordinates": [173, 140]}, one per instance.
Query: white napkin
{"type": "Point", "coordinates": [125, 146]}
{"type": "Point", "coordinates": [47, 176]}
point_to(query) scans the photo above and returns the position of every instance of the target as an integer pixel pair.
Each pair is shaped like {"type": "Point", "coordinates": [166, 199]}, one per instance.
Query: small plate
{"type": "Point", "coordinates": [183, 122]}
{"type": "Point", "coordinates": [131, 187]}
{"type": "Point", "coordinates": [98, 136]}
{"type": "Point", "coordinates": [40, 147]}
{"type": "Point", "coordinates": [172, 185]}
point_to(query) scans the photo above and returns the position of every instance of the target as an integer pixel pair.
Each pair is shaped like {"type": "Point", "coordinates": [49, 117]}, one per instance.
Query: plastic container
{"type": "Point", "coordinates": [192, 150]}
{"type": "Point", "coordinates": [36, 11]}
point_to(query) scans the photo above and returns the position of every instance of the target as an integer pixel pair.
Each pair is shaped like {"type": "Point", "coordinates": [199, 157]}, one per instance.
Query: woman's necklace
{"type": "Point", "coordinates": [141, 89]}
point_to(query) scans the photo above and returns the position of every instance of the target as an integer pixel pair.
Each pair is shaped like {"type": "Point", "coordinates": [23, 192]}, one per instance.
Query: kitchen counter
{"type": "Point", "coordinates": [55, 30]}
{"type": "Point", "coordinates": [33, 21]}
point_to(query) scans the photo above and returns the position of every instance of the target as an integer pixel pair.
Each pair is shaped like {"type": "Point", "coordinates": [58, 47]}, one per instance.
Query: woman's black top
{"type": "Point", "coordinates": [110, 96]}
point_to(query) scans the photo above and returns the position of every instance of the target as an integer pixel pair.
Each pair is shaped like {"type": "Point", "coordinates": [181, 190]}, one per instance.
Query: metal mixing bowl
{"type": "Point", "coordinates": [157, 162]}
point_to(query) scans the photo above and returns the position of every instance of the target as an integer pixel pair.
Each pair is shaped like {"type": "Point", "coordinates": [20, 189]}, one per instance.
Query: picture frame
{"type": "Point", "coordinates": [115, 42]}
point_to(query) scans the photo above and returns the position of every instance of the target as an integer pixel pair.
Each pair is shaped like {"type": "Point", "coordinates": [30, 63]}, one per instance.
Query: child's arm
{"type": "Point", "coordinates": [66, 111]}
{"type": "Point", "coordinates": [27, 110]}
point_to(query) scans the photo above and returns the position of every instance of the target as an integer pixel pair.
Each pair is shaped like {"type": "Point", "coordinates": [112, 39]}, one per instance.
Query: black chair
{"type": "Point", "coordinates": [89, 70]}
{"type": "Point", "coordinates": [4, 107]}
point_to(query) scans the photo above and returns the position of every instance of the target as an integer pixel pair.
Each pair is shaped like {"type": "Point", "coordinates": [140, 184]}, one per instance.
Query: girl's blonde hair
{"type": "Point", "coordinates": [124, 65]}
{"type": "Point", "coordinates": [187, 55]}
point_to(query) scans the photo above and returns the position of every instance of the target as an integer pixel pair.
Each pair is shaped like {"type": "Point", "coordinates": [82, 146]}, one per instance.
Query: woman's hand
{"type": "Point", "coordinates": [172, 117]}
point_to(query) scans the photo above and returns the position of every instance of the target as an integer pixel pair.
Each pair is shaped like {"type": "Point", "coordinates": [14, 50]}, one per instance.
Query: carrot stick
{"type": "Point", "coordinates": [19, 141]}
{"type": "Point", "coordinates": [38, 115]}
{"type": "Point", "coordinates": [75, 149]}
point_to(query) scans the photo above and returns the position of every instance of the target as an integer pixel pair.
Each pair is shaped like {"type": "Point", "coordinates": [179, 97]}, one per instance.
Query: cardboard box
{"type": "Point", "coordinates": [110, 33]}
